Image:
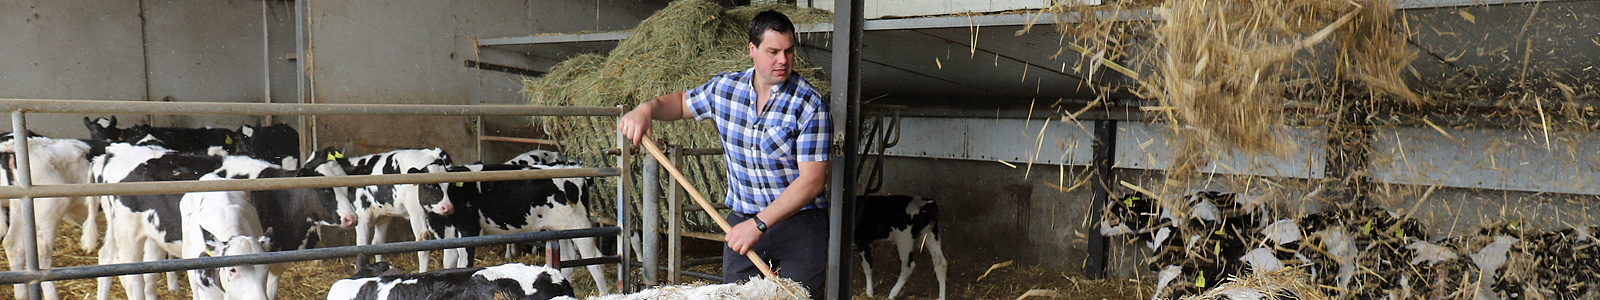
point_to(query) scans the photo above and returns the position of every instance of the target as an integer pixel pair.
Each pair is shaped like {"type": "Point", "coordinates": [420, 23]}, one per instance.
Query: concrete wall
{"type": "Point", "coordinates": [70, 50]}
{"type": "Point", "coordinates": [412, 52]}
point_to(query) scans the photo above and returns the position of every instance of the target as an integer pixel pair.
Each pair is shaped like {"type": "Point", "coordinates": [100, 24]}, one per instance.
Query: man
{"type": "Point", "coordinates": [775, 133]}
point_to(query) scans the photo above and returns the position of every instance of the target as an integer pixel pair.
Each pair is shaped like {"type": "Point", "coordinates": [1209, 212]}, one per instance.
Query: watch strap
{"type": "Point", "coordinates": [762, 226]}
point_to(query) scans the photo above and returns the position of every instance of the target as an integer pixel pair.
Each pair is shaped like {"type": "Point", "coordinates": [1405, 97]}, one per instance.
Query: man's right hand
{"type": "Point", "coordinates": [635, 124]}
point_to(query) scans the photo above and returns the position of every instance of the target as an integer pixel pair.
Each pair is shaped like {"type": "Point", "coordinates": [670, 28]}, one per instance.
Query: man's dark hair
{"type": "Point", "coordinates": [769, 20]}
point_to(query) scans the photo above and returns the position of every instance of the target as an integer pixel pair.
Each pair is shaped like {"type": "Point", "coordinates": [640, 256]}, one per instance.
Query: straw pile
{"type": "Point", "coordinates": [678, 48]}
{"type": "Point", "coordinates": [755, 289]}
{"type": "Point", "coordinates": [1287, 283]}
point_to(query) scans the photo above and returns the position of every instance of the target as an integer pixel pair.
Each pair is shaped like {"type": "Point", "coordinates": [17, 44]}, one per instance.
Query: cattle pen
{"type": "Point", "coordinates": [25, 191]}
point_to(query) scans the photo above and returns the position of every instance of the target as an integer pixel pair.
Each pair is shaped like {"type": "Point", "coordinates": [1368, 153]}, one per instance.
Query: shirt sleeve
{"type": "Point", "coordinates": [816, 133]}
{"type": "Point", "coordinates": [699, 99]}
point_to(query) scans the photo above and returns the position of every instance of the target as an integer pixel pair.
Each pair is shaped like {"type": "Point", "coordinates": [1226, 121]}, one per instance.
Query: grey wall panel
{"type": "Point", "coordinates": [69, 50]}
{"type": "Point", "coordinates": [1514, 160]}
{"type": "Point", "coordinates": [205, 51]}
{"type": "Point", "coordinates": [1012, 140]}
{"type": "Point", "coordinates": [1145, 146]}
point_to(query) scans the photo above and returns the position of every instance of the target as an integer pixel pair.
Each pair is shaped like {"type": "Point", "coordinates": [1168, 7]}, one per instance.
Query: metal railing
{"type": "Point", "coordinates": [27, 192]}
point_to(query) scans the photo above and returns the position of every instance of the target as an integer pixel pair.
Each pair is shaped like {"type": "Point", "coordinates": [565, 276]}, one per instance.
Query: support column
{"type": "Point", "coordinates": [845, 106]}
{"type": "Point", "coordinates": [648, 215]}
{"type": "Point", "coordinates": [1105, 178]}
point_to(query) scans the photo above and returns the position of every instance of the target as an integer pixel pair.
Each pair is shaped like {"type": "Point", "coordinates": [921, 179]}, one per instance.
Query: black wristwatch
{"type": "Point", "coordinates": [762, 226]}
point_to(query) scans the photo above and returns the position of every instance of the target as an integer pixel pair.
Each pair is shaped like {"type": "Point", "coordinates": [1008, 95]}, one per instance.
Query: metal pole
{"type": "Point", "coordinates": [30, 238]}
{"type": "Point", "coordinates": [674, 220]}
{"type": "Point", "coordinates": [303, 255]}
{"type": "Point", "coordinates": [622, 207]}
{"type": "Point", "coordinates": [1105, 177]}
{"type": "Point", "coordinates": [266, 62]}
{"type": "Point", "coordinates": [248, 109]}
{"type": "Point", "coordinates": [648, 217]}
{"type": "Point", "coordinates": [846, 106]}
{"type": "Point", "coordinates": [265, 184]}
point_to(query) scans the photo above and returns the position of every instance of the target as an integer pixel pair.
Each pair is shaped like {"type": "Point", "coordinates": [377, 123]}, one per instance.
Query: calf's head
{"type": "Point", "coordinates": [330, 162]}
{"type": "Point", "coordinates": [237, 282]}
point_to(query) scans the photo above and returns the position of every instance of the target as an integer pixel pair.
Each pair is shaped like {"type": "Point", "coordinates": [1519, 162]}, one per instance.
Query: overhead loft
{"type": "Point", "coordinates": [977, 61]}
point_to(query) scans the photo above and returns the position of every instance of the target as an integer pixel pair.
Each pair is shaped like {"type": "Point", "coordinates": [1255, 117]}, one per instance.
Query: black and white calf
{"type": "Point", "coordinates": [224, 224]}
{"type": "Point", "coordinates": [509, 281]}
{"type": "Point", "coordinates": [911, 223]}
{"type": "Point", "coordinates": [148, 227]}
{"type": "Point", "coordinates": [538, 158]}
{"type": "Point", "coordinates": [516, 206]}
{"type": "Point", "coordinates": [377, 205]}
{"type": "Point", "coordinates": [53, 161]}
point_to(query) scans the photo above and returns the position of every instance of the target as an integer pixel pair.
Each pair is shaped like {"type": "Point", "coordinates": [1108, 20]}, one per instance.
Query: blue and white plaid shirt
{"type": "Point", "coordinates": [763, 153]}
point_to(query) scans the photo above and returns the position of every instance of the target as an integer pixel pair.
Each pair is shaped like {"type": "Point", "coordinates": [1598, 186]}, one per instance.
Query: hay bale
{"type": "Point", "coordinates": [759, 288]}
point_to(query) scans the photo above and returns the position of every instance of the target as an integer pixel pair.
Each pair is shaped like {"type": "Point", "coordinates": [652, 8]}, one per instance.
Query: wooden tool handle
{"type": "Point", "coordinates": [650, 146]}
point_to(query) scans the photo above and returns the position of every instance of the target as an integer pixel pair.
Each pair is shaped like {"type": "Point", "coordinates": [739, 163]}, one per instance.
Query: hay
{"type": "Point", "coordinates": [677, 48]}
{"type": "Point", "coordinates": [1287, 283]}
{"type": "Point", "coordinates": [759, 288]}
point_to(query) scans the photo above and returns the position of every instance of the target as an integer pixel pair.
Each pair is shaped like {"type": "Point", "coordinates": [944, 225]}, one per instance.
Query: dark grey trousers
{"type": "Point", "coordinates": [796, 248]}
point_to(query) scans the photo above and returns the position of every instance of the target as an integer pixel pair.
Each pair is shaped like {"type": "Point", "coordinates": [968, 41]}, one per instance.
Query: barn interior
{"type": "Point", "coordinates": [993, 108]}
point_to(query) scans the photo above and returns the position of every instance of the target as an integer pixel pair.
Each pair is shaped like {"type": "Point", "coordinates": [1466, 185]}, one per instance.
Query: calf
{"type": "Point", "coordinates": [191, 140]}
{"type": "Point", "coordinates": [516, 206]}
{"type": "Point", "coordinates": [538, 158]}
{"type": "Point", "coordinates": [53, 161]}
{"type": "Point", "coordinates": [509, 281]}
{"type": "Point", "coordinates": [377, 205]}
{"type": "Point", "coordinates": [229, 215]}
{"type": "Point", "coordinates": [903, 220]}
{"type": "Point", "coordinates": [141, 227]}
{"type": "Point", "coordinates": [278, 143]}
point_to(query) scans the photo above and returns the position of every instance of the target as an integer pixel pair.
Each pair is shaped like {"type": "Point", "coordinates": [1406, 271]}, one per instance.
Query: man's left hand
{"type": "Point", "coordinates": [743, 236]}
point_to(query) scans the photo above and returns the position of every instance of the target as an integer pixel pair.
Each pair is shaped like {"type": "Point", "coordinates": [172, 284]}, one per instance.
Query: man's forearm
{"type": "Point", "coordinates": [799, 194]}
{"type": "Point", "coordinates": [669, 107]}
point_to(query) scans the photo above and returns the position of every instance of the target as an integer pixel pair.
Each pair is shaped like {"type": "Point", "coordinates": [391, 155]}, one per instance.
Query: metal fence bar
{"type": "Point", "coordinates": [674, 219]}
{"type": "Point", "coordinates": [293, 256]}
{"type": "Point", "coordinates": [623, 180]}
{"type": "Point", "coordinates": [230, 108]}
{"type": "Point", "coordinates": [648, 218]}
{"type": "Point", "coordinates": [176, 187]}
{"type": "Point", "coordinates": [30, 238]}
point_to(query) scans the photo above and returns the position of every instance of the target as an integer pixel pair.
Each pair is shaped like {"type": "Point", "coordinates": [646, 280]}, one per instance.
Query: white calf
{"type": "Point", "coordinates": [230, 216]}
{"type": "Point", "coordinates": [53, 161]}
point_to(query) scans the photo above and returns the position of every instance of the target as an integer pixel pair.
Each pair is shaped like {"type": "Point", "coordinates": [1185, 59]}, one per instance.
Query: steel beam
{"type": "Point", "coordinates": [297, 255]}
{"type": "Point", "coordinates": [247, 109]}
{"type": "Point", "coordinates": [265, 184]}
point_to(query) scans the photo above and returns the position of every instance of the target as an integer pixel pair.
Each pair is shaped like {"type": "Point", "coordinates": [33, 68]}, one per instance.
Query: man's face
{"type": "Point", "coordinates": [773, 56]}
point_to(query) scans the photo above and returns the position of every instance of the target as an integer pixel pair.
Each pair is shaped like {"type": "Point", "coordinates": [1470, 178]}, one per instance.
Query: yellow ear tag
{"type": "Point", "coordinates": [1367, 229]}
{"type": "Point", "coordinates": [459, 184]}
{"type": "Point", "coordinates": [1200, 280]}
{"type": "Point", "coordinates": [331, 157]}
{"type": "Point", "coordinates": [227, 140]}
{"type": "Point", "coordinates": [208, 252]}
{"type": "Point", "coordinates": [337, 154]}
{"type": "Point", "coordinates": [1128, 202]}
